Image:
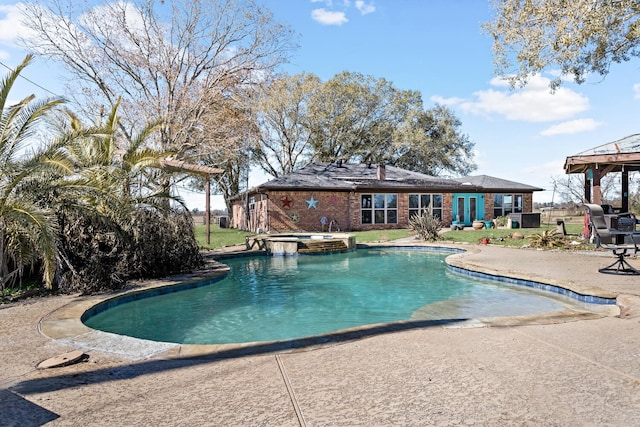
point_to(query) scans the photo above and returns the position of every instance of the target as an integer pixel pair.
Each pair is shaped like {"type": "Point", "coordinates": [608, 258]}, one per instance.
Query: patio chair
{"type": "Point", "coordinates": [621, 242]}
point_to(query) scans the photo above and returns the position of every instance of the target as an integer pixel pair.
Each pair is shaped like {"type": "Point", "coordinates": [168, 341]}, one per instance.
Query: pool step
{"type": "Point", "coordinates": [321, 246]}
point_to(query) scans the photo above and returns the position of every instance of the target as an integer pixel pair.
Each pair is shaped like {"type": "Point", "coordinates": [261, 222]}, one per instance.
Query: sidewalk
{"type": "Point", "coordinates": [584, 372]}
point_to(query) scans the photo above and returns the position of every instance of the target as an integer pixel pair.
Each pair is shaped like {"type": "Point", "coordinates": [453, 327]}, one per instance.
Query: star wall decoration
{"type": "Point", "coordinates": [287, 202]}
{"type": "Point", "coordinates": [333, 199]}
{"type": "Point", "coordinates": [312, 203]}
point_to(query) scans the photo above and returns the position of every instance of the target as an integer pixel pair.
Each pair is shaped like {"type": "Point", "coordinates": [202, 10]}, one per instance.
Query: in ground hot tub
{"type": "Point", "coordinates": [302, 243]}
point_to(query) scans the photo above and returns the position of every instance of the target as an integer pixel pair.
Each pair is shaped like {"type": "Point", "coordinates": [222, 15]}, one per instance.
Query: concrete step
{"type": "Point", "coordinates": [321, 246]}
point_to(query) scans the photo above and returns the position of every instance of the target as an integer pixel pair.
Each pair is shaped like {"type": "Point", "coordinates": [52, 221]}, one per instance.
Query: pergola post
{"type": "Point", "coordinates": [587, 187]}
{"type": "Point", "coordinates": [198, 170]}
{"type": "Point", "coordinates": [625, 191]}
{"type": "Point", "coordinates": [207, 214]}
{"type": "Point", "coordinates": [597, 194]}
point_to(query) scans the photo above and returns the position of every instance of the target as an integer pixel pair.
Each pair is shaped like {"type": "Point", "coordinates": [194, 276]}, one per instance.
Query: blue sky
{"type": "Point", "coordinates": [437, 47]}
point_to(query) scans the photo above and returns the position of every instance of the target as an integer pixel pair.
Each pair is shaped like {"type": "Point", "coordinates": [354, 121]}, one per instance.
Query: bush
{"type": "Point", "coordinates": [501, 221]}
{"type": "Point", "coordinates": [162, 244]}
{"type": "Point", "coordinates": [546, 239]}
{"type": "Point", "coordinates": [100, 255]}
{"type": "Point", "coordinates": [426, 226]}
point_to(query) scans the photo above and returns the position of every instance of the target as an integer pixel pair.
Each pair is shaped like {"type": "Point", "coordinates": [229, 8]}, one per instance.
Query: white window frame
{"type": "Point", "coordinates": [381, 204]}
{"type": "Point", "coordinates": [430, 208]}
{"type": "Point", "coordinates": [514, 207]}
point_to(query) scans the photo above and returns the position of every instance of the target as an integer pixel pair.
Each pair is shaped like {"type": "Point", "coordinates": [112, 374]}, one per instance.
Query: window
{"type": "Point", "coordinates": [432, 203]}
{"type": "Point", "coordinates": [379, 208]}
{"type": "Point", "coordinates": [252, 203]}
{"type": "Point", "coordinates": [504, 204]}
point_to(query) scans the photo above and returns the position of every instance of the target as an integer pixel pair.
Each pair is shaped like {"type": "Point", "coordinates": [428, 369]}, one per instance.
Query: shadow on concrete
{"type": "Point", "coordinates": [79, 379]}
{"type": "Point", "coordinates": [18, 411]}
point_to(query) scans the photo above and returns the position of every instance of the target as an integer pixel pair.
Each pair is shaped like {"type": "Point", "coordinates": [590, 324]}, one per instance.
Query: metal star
{"type": "Point", "coordinates": [286, 202]}
{"type": "Point", "coordinates": [312, 203]}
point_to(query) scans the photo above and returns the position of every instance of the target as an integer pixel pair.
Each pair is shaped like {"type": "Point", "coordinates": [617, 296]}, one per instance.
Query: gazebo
{"type": "Point", "coordinates": [621, 156]}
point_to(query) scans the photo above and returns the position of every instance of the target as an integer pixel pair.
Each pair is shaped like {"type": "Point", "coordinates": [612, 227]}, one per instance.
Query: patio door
{"type": "Point", "coordinates": [468, 207]}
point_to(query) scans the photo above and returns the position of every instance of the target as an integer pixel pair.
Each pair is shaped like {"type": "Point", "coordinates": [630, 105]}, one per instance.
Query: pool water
{"type": "Point", "coordinates": [280, 298]}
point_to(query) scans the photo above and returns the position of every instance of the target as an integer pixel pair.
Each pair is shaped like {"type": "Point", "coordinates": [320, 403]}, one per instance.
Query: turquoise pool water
{"type": "Point", "coordinates": [279, 298]}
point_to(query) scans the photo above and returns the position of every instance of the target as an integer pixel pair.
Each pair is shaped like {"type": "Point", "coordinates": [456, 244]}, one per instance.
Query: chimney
{"type": "Point", "coordinates": [382, 172]}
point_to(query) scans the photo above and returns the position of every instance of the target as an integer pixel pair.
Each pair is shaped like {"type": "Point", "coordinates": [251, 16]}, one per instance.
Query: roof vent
{"type": "Point", "coordinates": [339, 163]}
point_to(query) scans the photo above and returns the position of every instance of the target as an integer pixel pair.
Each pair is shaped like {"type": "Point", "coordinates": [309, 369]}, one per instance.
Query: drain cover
{"type": "Point", "coordinates": [62, 360]}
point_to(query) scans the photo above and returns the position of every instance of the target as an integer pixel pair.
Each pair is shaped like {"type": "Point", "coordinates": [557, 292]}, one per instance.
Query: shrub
{"type": "Point", "coordinates": [99, 255]}
{"type": "Point", "coordinates": [426, 226]}
{"type": "Point", "coordinates": [546, 239]}
{"type": "Point", "coordinates": [501, 221]}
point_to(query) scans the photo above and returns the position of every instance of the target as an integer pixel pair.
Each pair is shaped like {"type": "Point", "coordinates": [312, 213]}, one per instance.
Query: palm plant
{"type": "Point", "coordinates": [547, 239]}
{"type": "Point", "coordinates": [27, 230]}
{"type": "Point", "coordinates": [118, 225]}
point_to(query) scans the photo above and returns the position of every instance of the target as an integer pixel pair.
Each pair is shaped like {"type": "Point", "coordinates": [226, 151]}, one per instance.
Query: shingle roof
{"type": "Point", "coordinates": [491, 183]}
{"type": "Point", "coordinates": [352, 176]}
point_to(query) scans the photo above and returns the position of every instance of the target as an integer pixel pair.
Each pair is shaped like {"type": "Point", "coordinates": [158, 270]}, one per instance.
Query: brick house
{"type": "Point", "coordinates": [356, 197]}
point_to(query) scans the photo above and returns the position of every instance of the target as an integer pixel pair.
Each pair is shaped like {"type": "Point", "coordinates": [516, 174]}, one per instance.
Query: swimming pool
{"type": "Point", "coordinates": [280, 298]}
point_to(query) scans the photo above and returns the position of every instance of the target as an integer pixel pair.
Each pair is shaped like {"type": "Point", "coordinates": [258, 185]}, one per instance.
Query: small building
{"type": "Point", "coordinates": [356, 197]}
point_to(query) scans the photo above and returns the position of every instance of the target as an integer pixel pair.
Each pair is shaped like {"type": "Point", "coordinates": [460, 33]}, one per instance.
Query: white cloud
{"type": "Point", "coordinates": [571, 127]}
{"type": "Point", "coordinates": [365, 8]}
{"type": "Point", "coordinates": [327, 17]}
{"type": "Point", "coordinates": [533, 103]}
{"type": "Point", "coordinates": [551, 168]}
{"type": "Point", "coordinates": [10, 25]}
{"type": "Point", "coordinates": [636, 91]}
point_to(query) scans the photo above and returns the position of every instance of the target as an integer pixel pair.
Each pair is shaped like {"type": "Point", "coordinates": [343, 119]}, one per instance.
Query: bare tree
{"type": "Point", "coordinates": [175, 60]}
{"type": "Point", "coordinates": [285, 138]}
{"type": "Point", "coordinates": [570, 188]}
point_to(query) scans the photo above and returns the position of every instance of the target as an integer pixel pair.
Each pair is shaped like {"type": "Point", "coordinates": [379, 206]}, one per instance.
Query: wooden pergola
{"type": "Point", "coordinates": [199, 170]}
{"type": "Point", "coordinates": [621, 156]}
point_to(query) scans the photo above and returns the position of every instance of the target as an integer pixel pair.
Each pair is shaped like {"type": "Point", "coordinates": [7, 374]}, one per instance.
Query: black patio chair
{"type": "Point", "coordinates": [622, 242]}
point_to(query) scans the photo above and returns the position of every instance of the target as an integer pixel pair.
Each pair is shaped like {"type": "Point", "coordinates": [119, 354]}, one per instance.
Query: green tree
{"type": "Point", "coordinates": [430, 141]}
{"type": "Point", "coordinates": [353, 117]}
{"type": "Point", "coordinates": [579, 36]}
{"type": "Point", "coordinates": [28, 231]}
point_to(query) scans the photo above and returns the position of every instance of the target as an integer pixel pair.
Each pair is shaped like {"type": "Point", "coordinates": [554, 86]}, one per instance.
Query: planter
{"type": "Point", "coordinates": [478, 225]}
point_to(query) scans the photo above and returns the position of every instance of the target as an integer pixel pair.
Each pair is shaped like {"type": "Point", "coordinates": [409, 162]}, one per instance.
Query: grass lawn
{"type": "Point", "coordinates": [504, 236]}
{"type": "Point", "coordinates": [221, 237]}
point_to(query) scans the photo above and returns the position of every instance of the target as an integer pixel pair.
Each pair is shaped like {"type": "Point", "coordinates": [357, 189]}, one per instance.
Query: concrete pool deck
{"type": "Point", "coordinates": [549, 372]}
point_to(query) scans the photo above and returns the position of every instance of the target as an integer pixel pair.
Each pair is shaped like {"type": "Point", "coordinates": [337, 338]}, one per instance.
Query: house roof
{"type": "Point", "coordinates": [490, 183]}
{"type": "Point", "coordinates": [363, 176]}
{"type": "Point", "coordinates": [352, 176]}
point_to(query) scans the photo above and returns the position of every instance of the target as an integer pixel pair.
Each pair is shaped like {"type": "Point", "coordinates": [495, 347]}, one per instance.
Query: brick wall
{"type": "Point", "coordinates": [488, 206]}
{"type": "Point", "coordinates": [281, 211]}
{"type": "Point", "coordinates": [527, 202]}
{"type": "Point", "coordinates": [290, 210]}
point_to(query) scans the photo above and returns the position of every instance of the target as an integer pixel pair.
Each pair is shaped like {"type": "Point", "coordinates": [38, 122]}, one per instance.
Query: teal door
{"type": "Point", "coordinates": [468, 207]}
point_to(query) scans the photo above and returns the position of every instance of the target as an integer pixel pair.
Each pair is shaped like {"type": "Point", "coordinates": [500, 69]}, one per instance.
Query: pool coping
{"type": "Point", "coordinates": [65, 324]}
